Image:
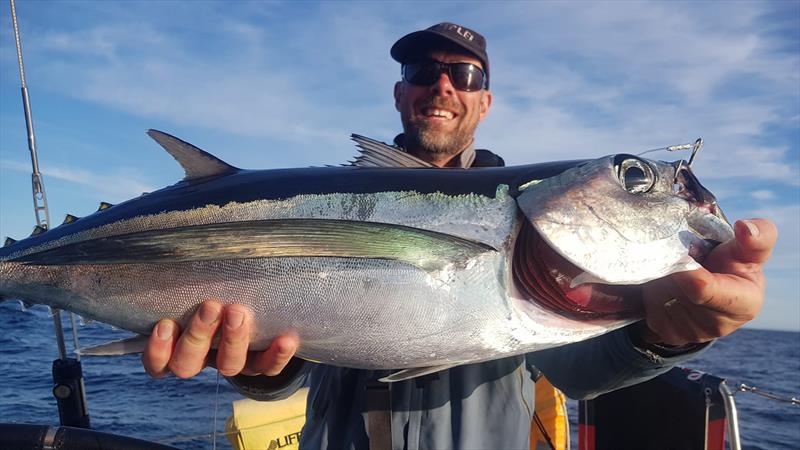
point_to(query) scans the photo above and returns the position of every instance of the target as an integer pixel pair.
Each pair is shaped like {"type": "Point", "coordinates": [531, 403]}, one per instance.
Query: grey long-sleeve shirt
{"type": "Point", "coordinates": [478, 406]}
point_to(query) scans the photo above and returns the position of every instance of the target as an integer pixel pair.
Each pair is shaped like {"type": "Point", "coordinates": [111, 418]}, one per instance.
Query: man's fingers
{"type": "Point", "coordinates": [752, 247]}
{"type": "Point", "coordinates": [189, 356]}
{"type": "Point", "coordinates": [158, 352]}
{"type": "Point", "coordinates": [755, 239]}
{"type": "Point", "coordinates": [273, 361]}
{"type": "Point", "coordinates": [186, 354]}
{"type": "Point", "coordinates": [232, 352]}
{"type": "Point", "coordinates": [737, 296]}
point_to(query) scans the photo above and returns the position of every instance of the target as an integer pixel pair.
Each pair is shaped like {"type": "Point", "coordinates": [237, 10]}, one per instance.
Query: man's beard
{"type": "Point", "coordinates": [431, 139]}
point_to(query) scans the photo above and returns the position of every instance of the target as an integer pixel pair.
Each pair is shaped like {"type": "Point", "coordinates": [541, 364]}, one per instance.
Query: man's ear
{"type": "Point", "coordinates": [486, 103]}
{"type": "Point", "coordinates": [398, 92]}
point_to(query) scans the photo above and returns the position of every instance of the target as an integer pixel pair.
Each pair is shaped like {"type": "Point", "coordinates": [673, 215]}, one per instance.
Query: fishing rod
{"type": "Point", "coordinates": [68, 387]}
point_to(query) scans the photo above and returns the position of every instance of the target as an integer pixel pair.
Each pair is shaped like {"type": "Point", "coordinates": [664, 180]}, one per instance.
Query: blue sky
{"type": "Point", "coordinates": [283, 84]}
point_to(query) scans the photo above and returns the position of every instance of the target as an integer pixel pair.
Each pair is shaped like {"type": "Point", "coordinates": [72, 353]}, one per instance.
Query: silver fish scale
{"type": "Point", "coordinates": [479, 218]}
{"type": "Point", "coordinates": [355, 312]}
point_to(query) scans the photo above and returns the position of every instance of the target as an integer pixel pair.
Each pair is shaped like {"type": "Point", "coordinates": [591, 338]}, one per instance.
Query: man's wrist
{"type": "Point", "coordinates": [646, 340]}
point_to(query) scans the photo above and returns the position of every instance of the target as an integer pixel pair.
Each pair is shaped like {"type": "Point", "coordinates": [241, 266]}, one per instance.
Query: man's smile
{"type": "Point", "coordinates": [437, 113]}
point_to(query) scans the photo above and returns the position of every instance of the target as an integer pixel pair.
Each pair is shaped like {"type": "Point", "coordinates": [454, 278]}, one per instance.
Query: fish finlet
{"type": "Point", "coordinates": [9, 241]}
{"type": "Point", "coordinates": [37, 230]}
{"type": "Point", "coordinates": [69, 218]}
{"type": "Point", "coordinates": [104, 206]}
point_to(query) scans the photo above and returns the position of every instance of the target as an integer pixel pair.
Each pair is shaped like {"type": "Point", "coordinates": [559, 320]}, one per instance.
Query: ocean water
{"type": "Point", "coordinates": [122, 399]}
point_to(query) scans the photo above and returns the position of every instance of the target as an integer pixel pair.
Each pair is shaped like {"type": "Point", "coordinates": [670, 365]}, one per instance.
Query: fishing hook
{"type": "Point", "coordinates": [694, 147]}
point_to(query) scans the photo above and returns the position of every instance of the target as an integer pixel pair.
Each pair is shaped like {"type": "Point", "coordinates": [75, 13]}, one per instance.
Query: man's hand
{"type": "Point", "coordinates": [704, 304]}
{"type": "Point", "coordinates": [186, 354]}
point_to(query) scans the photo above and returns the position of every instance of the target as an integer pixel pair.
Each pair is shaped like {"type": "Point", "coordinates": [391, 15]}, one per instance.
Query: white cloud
{"type": "Point", "coordinates": [687, 48]}
{"type": "Point", "coordinates": [571, 79]}
{"type": "Point", "coordinates": [120, 184]}
{"type": "Point", "coordinates": [787, 251]}
{"type": "Point", "coordinates": [763, 194]}
{"type": "Point", "coordinates": [595, 78]}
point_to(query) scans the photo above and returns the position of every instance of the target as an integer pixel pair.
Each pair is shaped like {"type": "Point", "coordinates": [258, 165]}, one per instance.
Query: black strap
{"type": "Point", "coordinates": [379, 415]}
{"type": "Point", "coordinates": [543, 430]}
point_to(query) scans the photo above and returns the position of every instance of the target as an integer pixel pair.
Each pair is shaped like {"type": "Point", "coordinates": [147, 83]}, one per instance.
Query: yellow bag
{"type": "Point", "coordinates": [267, 425]}
{"type": "Point", "coordinates": [551, 409]}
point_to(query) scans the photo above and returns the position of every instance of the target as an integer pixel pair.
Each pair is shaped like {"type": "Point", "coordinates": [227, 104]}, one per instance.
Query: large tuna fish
{"type": "Point", "coordinates": [376, 267]}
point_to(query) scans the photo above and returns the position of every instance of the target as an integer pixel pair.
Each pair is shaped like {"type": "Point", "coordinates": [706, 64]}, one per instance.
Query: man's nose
{"type": "Point", "coordinates": [443, 86]}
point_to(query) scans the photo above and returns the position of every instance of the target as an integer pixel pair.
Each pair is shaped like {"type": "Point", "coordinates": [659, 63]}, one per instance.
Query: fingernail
{"type": "Point", "coordinates": [164, 330]}
{"type": "Point", "coordinates": [751, 227]}
{"type": "Point", "coordinates": [209, 313]}
{"type": "Point", "coordinates": [234, 319]}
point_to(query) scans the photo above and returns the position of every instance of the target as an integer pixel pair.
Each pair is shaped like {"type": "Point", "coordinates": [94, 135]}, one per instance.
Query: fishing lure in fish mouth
{"type": "Point", "coordinates": [379, 267]}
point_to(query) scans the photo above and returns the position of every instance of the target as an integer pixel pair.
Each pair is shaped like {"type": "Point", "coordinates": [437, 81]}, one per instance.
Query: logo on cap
{"type": "Point", "coordinates": [459, 30]}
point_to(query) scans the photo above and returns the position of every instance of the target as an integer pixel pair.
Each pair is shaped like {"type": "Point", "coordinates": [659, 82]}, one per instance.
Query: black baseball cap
{"type": "Point", "coordinates": [411, 47]}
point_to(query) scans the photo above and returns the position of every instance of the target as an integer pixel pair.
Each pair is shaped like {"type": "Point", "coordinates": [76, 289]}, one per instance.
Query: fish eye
{"type": "Point", "coordinates": [636, 176]}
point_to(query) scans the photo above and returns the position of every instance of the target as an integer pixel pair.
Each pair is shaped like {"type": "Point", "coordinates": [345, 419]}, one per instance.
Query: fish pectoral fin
{"type": "Point", "coordinates": [127, 346]}
{"type": "Point", "coordinates": [196, 163]}
{"type": "Point", "coordinates": [428, 250]}
{"type": "Point", "coordinates": [407, 374]}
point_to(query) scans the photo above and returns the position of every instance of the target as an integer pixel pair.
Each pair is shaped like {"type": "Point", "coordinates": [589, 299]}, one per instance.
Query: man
{"type": "Point", "coordinates": [443, 95]}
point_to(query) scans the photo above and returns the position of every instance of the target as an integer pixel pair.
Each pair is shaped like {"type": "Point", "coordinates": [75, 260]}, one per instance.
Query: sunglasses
{"type": "Point", "coordinates": [463, 76]}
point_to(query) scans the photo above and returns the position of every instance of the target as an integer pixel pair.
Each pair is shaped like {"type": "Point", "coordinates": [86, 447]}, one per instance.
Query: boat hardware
{"type": "Point", "coordinates": [734, 440]}
{"type": "Point", "coordinates": [69, 388]}
{"type": "Point", "coordinates": [745, 388]}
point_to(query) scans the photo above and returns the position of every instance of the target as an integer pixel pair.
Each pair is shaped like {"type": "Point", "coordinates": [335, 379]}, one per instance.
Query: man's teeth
{"type": "Point", "coordinates": [438, 113]}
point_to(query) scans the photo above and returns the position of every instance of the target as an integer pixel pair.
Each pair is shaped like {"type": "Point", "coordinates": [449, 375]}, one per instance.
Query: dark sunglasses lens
{"type": "Point", "coordinates": [421, 74]}
{"type": "Point", "coordinates": [466, 77]}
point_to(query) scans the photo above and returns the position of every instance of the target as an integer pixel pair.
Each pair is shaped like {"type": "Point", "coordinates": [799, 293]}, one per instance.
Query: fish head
{"type": "Point", "coordinates": [595, 232]}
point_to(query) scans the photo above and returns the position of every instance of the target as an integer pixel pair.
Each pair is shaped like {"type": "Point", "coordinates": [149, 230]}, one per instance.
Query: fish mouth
{"type": "Point", "coordinates": [546, 278]}
{"type": "Point", "coordinates": [707, 221]}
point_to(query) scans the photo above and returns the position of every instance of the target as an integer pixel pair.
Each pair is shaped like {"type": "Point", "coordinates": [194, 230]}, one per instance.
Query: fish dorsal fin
{"type": "Point", "coordinates": [379, 154]}
{"type": "Point", "coordinates": [196, 163]}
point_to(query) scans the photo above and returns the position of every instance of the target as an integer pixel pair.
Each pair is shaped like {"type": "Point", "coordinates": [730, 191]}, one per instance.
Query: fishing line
{"type": "Point", "coordinates": [671, 148]}
{"type": "Point", "coordinates": [216, 408]}
{"type": "Point", "coordinates": [694, 147]}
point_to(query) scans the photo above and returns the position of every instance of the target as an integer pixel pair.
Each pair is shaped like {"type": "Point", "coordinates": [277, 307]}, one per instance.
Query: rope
{"type": "Point", "coordinates": [791, 400]}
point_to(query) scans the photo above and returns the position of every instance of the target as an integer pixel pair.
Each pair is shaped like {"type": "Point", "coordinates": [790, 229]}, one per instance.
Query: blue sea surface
{"type": "Point", "coordinates": [122, 399]}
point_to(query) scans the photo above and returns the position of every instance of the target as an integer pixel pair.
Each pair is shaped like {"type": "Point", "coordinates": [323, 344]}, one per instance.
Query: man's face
{"type": "Point", "coordinates": [439, 120]}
